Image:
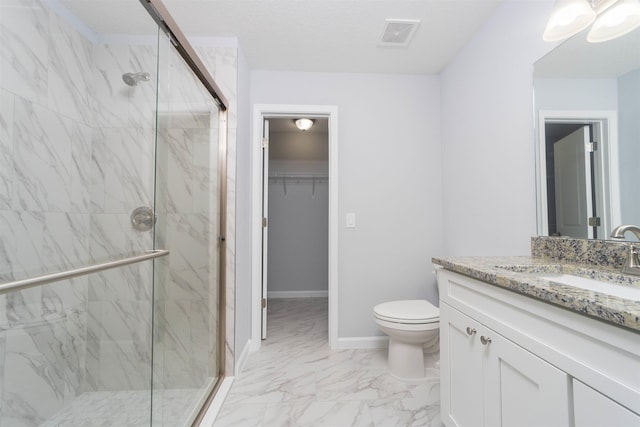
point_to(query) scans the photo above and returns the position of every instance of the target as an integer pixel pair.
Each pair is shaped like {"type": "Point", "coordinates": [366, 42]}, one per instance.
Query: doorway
{"type": "Point", "coordinates": [572, 208]}
{"type": "Point", "coordinates": [298, 209]}
{"type": "Point", "coordinates": [283, 179]}
{"type": "Point", "coordinates": [577, 164]}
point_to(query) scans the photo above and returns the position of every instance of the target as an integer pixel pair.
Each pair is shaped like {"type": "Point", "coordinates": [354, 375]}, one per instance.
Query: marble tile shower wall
{"type": "Point", "coordinates": [186, 285]}
{"type": "Point", "coordinates": [121, 179]}
{"type": "Point", "coordinates": [76, 156]}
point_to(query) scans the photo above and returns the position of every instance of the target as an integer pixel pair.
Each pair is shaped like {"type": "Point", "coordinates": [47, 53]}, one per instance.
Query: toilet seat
{"type": "Point", "coordinates": [407, 312]}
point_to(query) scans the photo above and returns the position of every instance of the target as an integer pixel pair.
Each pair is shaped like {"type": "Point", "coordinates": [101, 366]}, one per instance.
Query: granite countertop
{"type": "Point", "coordinates": [518, 274]}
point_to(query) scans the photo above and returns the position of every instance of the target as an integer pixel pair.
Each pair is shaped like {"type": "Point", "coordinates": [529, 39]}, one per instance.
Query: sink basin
{"type": "Point", "coordinates": [626, 292]}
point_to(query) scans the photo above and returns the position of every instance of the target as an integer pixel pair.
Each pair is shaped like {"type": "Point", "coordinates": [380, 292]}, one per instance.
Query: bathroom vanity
{"type": "Point", "coordinates": [521, 349]}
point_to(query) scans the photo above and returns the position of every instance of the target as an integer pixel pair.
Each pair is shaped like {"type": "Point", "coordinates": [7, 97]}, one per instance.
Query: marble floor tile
{"type": "Point", "coordinates": [295, 379]}
{"type": "Point", "coordinates": [319, 413]}
{"type": "Point", "coordinates": [404, 412]}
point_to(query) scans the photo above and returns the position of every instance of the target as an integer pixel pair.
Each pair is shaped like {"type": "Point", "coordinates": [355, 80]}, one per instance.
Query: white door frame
{"type": "Point", "coordinates": [260, 112]}
{"type": "Point", "coordinates": [607, 160]}
{"type": "Point", "coordinates": [265, 229]}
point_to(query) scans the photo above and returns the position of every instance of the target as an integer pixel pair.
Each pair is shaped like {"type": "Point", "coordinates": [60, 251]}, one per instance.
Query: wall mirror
{"type": "Point", "coordinates": [587, 112]}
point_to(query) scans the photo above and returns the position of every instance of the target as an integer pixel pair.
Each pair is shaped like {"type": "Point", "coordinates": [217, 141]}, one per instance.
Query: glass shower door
{"type": "Point", "coordinates": [77, 157]}
{"type": "Point", "coordinates": [186, 363]}
{"type": "Point", "coordinates": [109, 155]}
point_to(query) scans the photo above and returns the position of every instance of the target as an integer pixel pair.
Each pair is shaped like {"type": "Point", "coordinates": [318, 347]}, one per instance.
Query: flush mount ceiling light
{"type": "Point", "coordinates": [304, 124]}
{"type": "Point", "coordinates": [613, 18]}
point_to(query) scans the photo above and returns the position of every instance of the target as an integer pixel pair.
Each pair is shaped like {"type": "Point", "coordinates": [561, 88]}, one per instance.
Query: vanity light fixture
{"type": "Point", "coordinates": [304, 124]}
{"type": "Point", "coordinates": [618, 20]}
{"type": "Point", "coordinates": [569, 17]}
{"type": "Point", "coordinates": [610, 19]}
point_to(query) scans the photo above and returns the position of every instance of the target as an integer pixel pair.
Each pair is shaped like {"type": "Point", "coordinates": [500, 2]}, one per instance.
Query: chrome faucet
{"type": "Point", "coordinates": [632, 264]}
{"type": "Point", "coordinates": [618, 232]}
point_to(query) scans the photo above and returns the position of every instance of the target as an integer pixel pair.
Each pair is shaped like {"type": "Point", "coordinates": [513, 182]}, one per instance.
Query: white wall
{"type": "Point", "coordinates": [298, 214]}
{"type": "Point", "coordinates": [629, 140]}
{"type": "Point", "coordinates": [298, 236]}
{"type": "Point", "coordinates": [299, 146]}
{"type": "Point", "coordinates": [576, 94]}
{"type": "Point", "coordinates": [488, 134]}
{"type": "Point", "coordinates": [389, 175]}
{"type": "Point", "coordinates": [243, 209]}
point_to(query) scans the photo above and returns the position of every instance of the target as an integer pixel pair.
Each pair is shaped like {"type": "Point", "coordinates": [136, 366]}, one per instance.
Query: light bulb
{"type": "Point", "coordinates": [304, 124]}
{"type": "Point", "coordinates": [620, 19]}
{"type": "Point", "coordinates": [569, 17]}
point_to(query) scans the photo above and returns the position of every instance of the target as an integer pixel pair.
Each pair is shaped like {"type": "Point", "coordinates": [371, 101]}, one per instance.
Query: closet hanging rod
{"type": "Point", "coordinates": [298, 176]}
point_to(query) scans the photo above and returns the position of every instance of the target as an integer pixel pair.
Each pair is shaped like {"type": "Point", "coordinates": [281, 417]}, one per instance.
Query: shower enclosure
{"type": "Point", "coordinates": [112, 153]}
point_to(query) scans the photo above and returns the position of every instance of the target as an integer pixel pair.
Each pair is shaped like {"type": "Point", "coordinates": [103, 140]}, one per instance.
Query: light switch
{"type": "Point", "coordinates": [351, 220]}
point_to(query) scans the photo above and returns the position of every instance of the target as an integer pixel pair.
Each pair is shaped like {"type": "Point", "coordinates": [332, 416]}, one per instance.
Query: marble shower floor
{"type": "Point", "coordinates": [126, 409]}
{"type": "Point", "coordinates": [296, 380]}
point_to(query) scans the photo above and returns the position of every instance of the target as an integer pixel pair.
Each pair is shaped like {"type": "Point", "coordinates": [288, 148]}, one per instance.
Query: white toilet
{"type": "Point", "coordinates": [413, 329]}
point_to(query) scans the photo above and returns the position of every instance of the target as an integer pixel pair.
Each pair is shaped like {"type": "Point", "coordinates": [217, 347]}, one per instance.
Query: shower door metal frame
{"type": "Point", "coordinates": [165, 21]}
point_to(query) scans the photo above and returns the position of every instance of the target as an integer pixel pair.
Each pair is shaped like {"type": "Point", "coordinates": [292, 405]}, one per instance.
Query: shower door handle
{"type": "Point", "coordinates": [22, 284]}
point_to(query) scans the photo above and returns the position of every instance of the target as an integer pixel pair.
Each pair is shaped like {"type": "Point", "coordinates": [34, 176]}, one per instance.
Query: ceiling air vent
{"type": "Point", "coordinates": [398, 32]}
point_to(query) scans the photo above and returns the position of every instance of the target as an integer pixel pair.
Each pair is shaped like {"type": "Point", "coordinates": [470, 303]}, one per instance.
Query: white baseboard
{"type": "Point", "coordinates": [297, 294]}
{"type": "Point", "coordinates": [215, 407]}
{"type": "Point", "coordinates": [242, 359]}
{"type": "Point", "coordinates": [363, 342]}
{"type": "Point", "coordinates": [256, 344]}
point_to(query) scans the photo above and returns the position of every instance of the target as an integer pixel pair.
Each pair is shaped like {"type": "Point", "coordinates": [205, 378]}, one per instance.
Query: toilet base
{"type": "Point", "coordinates": [408, 344]}
{"type": "Point", "coordinates": [406, 360]}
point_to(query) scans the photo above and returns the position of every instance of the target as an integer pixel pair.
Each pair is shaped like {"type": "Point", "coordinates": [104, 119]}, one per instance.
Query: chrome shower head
{"type": "Point", "coordinates": [132, 79]}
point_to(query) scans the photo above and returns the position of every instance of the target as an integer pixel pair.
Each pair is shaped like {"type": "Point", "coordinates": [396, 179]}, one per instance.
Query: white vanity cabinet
{"type": "Point", "coordinates": [593, 409]}
{"type": "Point", "coordinates": [493, 382]}
{"type": "Point", "coordinates": [512, 360]}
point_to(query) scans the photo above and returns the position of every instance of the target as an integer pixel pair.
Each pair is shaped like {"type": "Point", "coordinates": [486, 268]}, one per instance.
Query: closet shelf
{"type": "Point", "coordinates": [299, 177]}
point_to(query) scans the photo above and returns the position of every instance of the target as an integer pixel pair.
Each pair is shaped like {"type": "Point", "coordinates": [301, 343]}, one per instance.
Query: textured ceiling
{"type": "Point", "coordinates": [312, 35]}
{"type": "Point", "coordinates": [336, 35]}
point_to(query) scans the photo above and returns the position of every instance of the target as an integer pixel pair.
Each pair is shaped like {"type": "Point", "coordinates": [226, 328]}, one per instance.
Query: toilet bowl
{"type": "Point", "coordinates": [413, 329]}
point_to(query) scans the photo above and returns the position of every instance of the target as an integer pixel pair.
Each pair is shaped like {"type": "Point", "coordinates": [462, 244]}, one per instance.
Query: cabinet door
{"type": "Point", "coordinates": [592, 409]}
{"type": "Point", "coordinates": [520, 388]}
{"type": "Point", "coordinates": [460, 369]}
